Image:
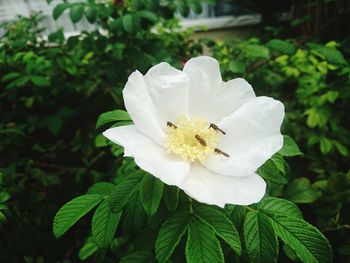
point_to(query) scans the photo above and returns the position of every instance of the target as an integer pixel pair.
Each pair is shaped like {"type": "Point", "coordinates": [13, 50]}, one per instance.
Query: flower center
{"type": "Point", "coordinates": [192, 138]}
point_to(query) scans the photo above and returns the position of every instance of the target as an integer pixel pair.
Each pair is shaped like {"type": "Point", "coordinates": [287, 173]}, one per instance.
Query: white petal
{"type": "Point", "coordinates": [205, 78]}
{"type": "Point", "coordinates": [252, 137]}
{"type": "Point", "coordinates": [168, 88]}
{"type": "Point", "coordinates": [141, 108]}
{"type": "Point", "coordinates": [215, 189]}
{"type": "Point", "coordinates": [230, 97]}
{"type": "Point", "coordinates": [148, 155]}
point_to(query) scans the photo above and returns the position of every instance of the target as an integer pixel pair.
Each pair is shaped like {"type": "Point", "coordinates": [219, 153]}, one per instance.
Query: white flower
{"type": "Point", "coordinates": [206, 136]}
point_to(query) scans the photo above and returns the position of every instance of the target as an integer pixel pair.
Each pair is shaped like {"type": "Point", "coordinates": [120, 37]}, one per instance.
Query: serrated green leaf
{"type": "Point", "coordinates": [290, 148]}
{"type": "Point", "coordinates": [273, 205]}
{"type": "Point", "coordinates": [151, 193]}
{"type": "Point", "coordinates": [59, 9]}
{"type": "Point", "coordinates": [134, 216]}
{"type": "Point", "coordinates": [221, 225]}
{"type": "Point", "coordinates": [104, 189]}
{"type": "Point", "coordinates": [237, 214]}
{"type": "Point", "coordinates": [124, 190]}
{"type": "Point", "coordinates": [104, 224]}
{"type": "Point", "coordinates": [301, 191]}
{"type": "Point", "coordinates": [112, 116]}
{"type": "Point", "coordinates": [76, 12]}
{"type": "Point", "coordinates": [269, 171]}
{"type": "Point", "coordinates": [281, 46]}
{"type": "Point", "coordinates": [72, 211]}
{"type": "Point", "coordinates": [171, 197]}
{"type": "Point", "coordinates": [306, 240]}
{"type": "Point", "coordinates": [202, 246]}
{"type": "Point", "coordinates": [279, 162]}
{"type": "Point", "coordinates": [170, 234]}
{"type": "Point", "coordinates": [260, 239]}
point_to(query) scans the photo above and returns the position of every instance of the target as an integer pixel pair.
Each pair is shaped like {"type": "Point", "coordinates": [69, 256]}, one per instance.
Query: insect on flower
{"type": "Point", "coordinates": [206, 119]}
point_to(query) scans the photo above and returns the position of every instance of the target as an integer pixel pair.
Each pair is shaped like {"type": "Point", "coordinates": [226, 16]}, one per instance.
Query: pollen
{"type": "Point", "coordinates": [191, 138]}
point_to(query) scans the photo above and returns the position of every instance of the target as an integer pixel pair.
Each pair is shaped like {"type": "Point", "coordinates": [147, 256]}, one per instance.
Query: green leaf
{"type": "Point", "coordinates": [131, 23]}
{"type": "Point", "coordinates": [54, 124]}
{"type": "Point", "coordinates": [257, 51]}
{"type": "Point", "coordinates": [123, 191]}
{"type": "Point", "coordinates": [237, 214]}
{"type": "Point", "coordinates": [87, 250]}
{"type": "Point", "coordinates": [138, 257]}
{"type": "Point", "coordinates": [10, 76]}
{"type": "Point", "coordinates": [236, 66]}
{"type": "Point", "coordinates": [269, 171]}
{"type": "Point", "coordinates": [112, 116]}
{"type": "Point", "coordinates": [332, 55]}
{"type": "Point", "coordinates": [273, 205]}
{"type": "Point", "coordinates": [151, 193]}
{"type": "Point", "coordinates": [170, 234]}
{"type": "Point", "coordinates": [290, 148]}
{"type": "Point", "coordinates": [202, 246]}
{"type": "Point", "coordinates": [301, 191]}
{"type": "Point", "coordinates": [306, 240]}
{"type": "Point", "coordinates": [260, 239]}
{"type": "Point", "coordinates": [72, 211]}
{"type": "Point", "coordinates": [134, 215]}
{"type": "Point", "coordinates": [76, 12]}
{"type": "Point", "coordinates": [91, 14]}
{"type": "Point", "coordinates": [171, 197]}
{"type": "Point", "coordinates": [281, 46]}
{"type": "Point", "coordinates": [40, 81]}
{"type": "Point", "coordinates": [59, 9]}
{"type": "Point", "coordinates": [183, 8]}
{"type": "Point", "coordinates": [104, 224]}
{"type": "Point", "coordinates": [103, 189]}
{"type": "Point", "coordinates": [195, 6]}
{"type": "Point", "coordinates": [150, 16]}
{"type": "Point", "coordinates": [221, 225]}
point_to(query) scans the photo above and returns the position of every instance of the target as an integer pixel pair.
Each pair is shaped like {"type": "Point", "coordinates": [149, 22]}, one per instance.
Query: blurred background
{"type": "Point", "coordinates": [63, 63]}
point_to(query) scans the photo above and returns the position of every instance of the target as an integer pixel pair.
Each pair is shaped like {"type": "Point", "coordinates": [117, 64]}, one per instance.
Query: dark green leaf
{"type": "Point", "coordinates": [59, 9]}
{"type": "Point", "coordinates": [237, 66]}
{"type": "Point", "coordinates": [151, 193]}
{"type": "Point", "coordinates": [260, 239]}
{"type": "Point", "coordinates": [290, 148]}
{"type": "Point", "coordinates": [112, 116]}
{"type": "Point", "coordinates": [202, 246]}
{"type": "Point", "coordinates": [87, 250]}
{"type": "Point", "coordinates": [40, 81]}
{"type": "Point", "coordinates": [131, 23]}
{"type": "Point", "coordinates": [72, 211]}
{"type": "Point", "coordinates": [138, 257]}
{"type": "Point", "coordinates": [270, 172]}
{"type": "Point", "coordinates": [104, 224]}
{"type": "Point", "coordinates": [103, 189]}
{"type": "Point", "coordinates": [91, 14]}
{"type": "Point", "coordinates": [54, 124]}
{"type": "Point", "coordinates": [301, 191]}
{"type": "Point", "coordinates": [331, 54]}
{"type": "Point", "coordinates": [221, 225]}
{"type": "Point", "coordinates": [10, 76]}
{"type": "Point", "coordinates": [170, 234]}
{"type": "Point", "coordinates": [76, 12]}
{"type": "Point", "coordinates": [124, 190]}
{"type": "Point", "coordinates": [171, 197]}
{"type": "Point", "coordinates": [134, 215]}
{"type": "Point", "coordinates": [281, 46]}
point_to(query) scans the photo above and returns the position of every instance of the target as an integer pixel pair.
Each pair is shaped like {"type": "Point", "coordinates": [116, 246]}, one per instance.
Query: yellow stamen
{"type": "Point", "coordinates": [192, 140]}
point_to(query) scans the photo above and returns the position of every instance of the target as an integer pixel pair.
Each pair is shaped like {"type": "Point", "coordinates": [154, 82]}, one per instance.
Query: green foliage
{"type": "Point", "coordinates": [71, 212]}
{"type": "Point", "coordinates": [260, 239]}
{"type": "Point", "coordinates": [151, 193]}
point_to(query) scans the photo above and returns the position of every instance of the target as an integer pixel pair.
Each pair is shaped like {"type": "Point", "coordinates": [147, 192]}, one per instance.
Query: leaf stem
{"type": "Point", "coordinates": [190, 201]}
